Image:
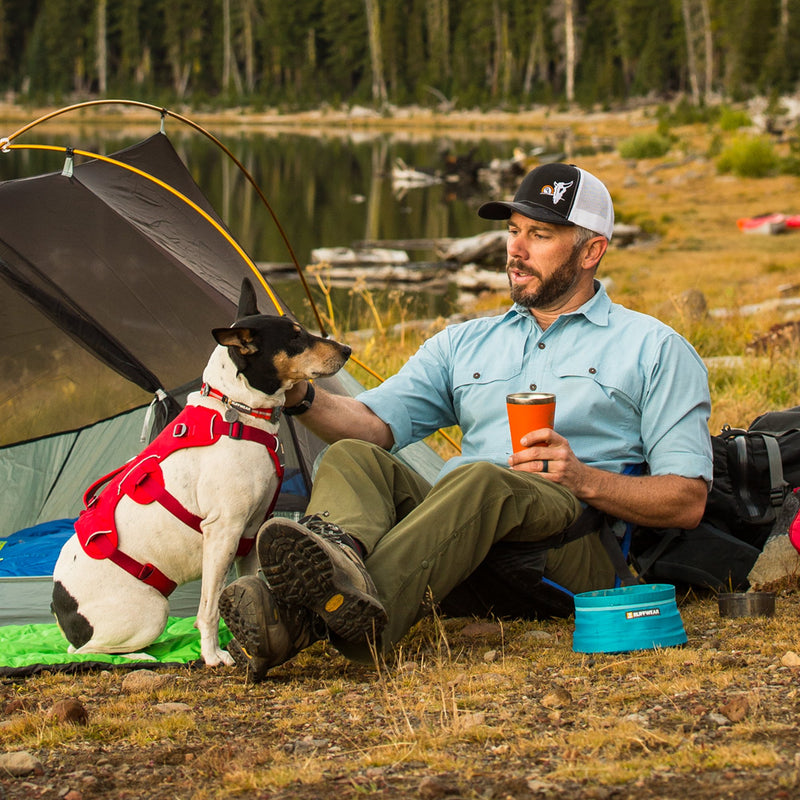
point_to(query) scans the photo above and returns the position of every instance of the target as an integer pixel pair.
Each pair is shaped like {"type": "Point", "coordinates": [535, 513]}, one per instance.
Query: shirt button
{"type": "Point", "coordinates": [592, 371]}
{"type": "Point", "coordinates": [541, 345]}
{"type": "Point", "coordinates": [533, 387]}
{"type": "Point", "coordinates": [476, 375]}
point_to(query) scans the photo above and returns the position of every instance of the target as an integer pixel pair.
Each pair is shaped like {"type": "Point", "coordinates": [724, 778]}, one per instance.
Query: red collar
{"type": "Point", "coordinates": [269, 414]}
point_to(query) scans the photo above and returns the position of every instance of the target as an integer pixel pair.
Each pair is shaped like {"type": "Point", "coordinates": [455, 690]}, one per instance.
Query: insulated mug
{"type": "Point", "coordinates": [528, 411]}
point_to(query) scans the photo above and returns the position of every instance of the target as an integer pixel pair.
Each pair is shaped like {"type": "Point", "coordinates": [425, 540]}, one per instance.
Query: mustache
{"type": "Point", "coordinates": [516, 265]}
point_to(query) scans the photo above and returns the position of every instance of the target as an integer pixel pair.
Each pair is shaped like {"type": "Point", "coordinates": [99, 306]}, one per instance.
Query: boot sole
{"type": "Point", "coordinates": [299, 571]}
{"type": "Point", "coordinates": [242, 614]}
{"type": "Point", "coordinates": [254, 668]}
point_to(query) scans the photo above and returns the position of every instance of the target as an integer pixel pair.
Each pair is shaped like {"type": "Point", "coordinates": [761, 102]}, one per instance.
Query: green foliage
{"type": "Point", "coordinates": [644, 145]}
{"type": "Point", "coordinates": [749, 157]}
{"type": "Point", "coordinates": [684, 113]}
{"type": "Point", "coordinates": [731, 120]}
{"type": "Point", "coordinates": [473, 53]}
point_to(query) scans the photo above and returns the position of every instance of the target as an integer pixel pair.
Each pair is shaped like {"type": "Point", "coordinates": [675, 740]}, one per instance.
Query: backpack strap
{"type": "Point", "coordinates": [744, 482]}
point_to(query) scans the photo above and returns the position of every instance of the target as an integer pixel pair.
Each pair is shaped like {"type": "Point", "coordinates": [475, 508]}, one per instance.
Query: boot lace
{"type": "Point", "coordinates": [316, 524]}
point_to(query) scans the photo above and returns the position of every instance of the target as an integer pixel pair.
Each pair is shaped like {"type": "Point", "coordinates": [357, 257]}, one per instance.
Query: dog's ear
{"type": "Point", "coordinates": [248, 305]}
{"type": "Point", "coordinates": [240, 338]}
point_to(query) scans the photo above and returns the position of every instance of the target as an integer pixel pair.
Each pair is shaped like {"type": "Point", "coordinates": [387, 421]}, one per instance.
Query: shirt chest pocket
{"type": "Point", "coordinates": [486, 372]}
{"type": "Point", "coordinates": [612, 378]}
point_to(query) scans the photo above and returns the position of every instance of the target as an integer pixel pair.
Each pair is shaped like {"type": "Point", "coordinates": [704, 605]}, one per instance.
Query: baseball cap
{"type": "Point", "coordinates": [562, 194]}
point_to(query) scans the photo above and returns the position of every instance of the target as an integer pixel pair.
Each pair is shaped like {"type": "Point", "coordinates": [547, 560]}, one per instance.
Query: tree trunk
{"type": "Point", "coordinates": [230, 70]}
{"type": "Point", "coordinates": [569, 49]}
{"type": "Point", "coordinates": [102, 52]}
{"type": "Point", "coordinates": [375, 51]}
{"type": "Point", "coordinates": [691, 54]}
{"type": "Point", "coordinates": [708, 36]}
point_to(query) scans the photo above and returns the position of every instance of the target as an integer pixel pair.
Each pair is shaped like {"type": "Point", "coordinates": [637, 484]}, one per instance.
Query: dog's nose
{"type": "Point", "coordinates": [346, 350]}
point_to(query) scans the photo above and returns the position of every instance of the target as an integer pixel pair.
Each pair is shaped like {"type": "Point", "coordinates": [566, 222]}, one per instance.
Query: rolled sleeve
{"type": "Point", "coordinates": [416, 401]}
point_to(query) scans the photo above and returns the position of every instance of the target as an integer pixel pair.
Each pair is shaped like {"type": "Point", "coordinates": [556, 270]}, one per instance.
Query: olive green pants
{"type": "Point", "coordinates": [423, 541]}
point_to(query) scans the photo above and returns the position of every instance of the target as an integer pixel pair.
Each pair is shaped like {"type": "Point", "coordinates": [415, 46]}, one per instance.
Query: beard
{"type": "Point", "coordinates": [550, 289]}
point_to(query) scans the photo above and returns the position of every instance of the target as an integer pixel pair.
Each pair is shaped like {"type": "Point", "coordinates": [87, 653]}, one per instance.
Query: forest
{"type": "Point", "coordinates": [445, 54]}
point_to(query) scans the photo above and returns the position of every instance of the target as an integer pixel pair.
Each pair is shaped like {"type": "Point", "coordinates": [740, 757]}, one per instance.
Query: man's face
{"type": "Point", "coordinates": [544, 262]}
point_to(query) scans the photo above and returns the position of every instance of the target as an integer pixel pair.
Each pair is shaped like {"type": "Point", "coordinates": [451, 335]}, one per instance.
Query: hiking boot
{"type": "Point", "coordinates": [315, 564]}
{"type": "Point", "coordinates": [266, 632]}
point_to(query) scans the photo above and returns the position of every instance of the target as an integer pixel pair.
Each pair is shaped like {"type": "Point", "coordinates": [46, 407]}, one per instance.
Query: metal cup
{"type": "Point", "coordinates": [529, 411]}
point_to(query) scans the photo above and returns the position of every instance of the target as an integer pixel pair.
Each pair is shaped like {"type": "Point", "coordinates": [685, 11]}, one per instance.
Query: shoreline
{"type": "Point", "coordinates": [357, 120]}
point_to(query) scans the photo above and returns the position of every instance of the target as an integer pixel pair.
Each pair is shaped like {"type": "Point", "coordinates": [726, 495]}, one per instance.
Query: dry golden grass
{"type": "Point", "coordinates": [464, 709]}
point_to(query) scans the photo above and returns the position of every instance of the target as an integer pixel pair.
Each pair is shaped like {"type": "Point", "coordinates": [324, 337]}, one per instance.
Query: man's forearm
{"type": "Point", "coordinates": [333, 417]}
{"type": "Point", "coordinates": [658, 501]}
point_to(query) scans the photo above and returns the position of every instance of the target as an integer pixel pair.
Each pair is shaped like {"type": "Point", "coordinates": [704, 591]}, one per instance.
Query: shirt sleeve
{"type": "Point", "coordinates": [675, 413]}
{"type": "Point", "coordinates": [418, 399]}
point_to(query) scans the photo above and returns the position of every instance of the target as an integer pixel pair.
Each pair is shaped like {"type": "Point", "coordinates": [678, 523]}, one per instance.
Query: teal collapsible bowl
{"type": "Point", "coordinates": [628, 618]}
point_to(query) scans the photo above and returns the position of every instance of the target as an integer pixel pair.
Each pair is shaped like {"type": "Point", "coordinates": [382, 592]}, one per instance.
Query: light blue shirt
{"type": "Point", "coordinates": [629, 389]}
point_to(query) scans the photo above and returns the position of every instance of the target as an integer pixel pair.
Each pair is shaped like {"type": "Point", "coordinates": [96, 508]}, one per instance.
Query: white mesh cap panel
{"type": "Point", "coordinates": [592, 207]}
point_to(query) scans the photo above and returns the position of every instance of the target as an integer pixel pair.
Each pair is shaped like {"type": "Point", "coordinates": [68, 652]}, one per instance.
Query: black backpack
{"type": "Point", "coordinates": [754, 471]}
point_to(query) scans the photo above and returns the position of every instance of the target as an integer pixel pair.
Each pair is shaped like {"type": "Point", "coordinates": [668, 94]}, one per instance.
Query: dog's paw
{"type": "Point", "coordinates": [138, 656]}
{"type": "Point", "coordinates": [222, 657]}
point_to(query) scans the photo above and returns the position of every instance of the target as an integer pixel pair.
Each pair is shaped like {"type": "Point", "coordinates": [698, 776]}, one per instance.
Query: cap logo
{"type": "Point", "coordinates": [557, 190]}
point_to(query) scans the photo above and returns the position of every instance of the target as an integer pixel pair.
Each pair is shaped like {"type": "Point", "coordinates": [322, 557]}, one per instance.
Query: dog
{"type": "Point", "coordinates": [112, 577]}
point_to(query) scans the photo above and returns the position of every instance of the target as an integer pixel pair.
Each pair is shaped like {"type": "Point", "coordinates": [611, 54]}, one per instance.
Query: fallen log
{"type": "Point", "coordinates": [349, 255]}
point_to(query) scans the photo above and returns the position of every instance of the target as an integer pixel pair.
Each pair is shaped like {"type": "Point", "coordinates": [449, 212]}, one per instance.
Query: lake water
{"type": "Point", "coordinates": [329, 190]}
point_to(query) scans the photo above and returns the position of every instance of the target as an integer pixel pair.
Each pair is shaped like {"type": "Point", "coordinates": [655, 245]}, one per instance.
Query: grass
{"type": "Point", "coordinates": [485, 709]}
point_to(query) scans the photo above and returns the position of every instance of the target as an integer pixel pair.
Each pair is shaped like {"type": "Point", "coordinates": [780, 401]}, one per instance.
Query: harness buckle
{"type": "Point", "coordinates": [236, 430]}
{"type": "Point", "coordinates": [145, 572]}
{"type": "Point", "coordinates": [180, 430]}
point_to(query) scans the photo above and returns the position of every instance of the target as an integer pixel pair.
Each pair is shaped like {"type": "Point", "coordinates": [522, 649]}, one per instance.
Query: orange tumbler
{"type": "Point", "coordinates": [529, 411]}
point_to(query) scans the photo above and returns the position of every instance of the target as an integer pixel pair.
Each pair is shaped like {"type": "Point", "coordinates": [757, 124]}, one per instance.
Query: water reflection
{"type": "Point", "coordinates": [326, 191]}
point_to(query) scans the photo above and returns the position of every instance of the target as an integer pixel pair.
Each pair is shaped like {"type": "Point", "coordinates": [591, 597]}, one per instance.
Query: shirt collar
{"type": "Point", "coordinates": [596, 310]}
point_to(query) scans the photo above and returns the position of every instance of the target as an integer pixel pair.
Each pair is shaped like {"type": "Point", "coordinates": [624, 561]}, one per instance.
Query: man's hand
{"type": "Point", "coordinates": [550, 455]}
{"type": "Point", "coordinates": [656, 501]}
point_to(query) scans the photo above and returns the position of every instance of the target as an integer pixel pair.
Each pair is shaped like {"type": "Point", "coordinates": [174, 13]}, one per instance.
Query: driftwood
{"type": "Point", "coordinates": [409, 273]}
{"type": "Point", "coordinates": [348, 255]}
{"type": "Point", "coordinates": [485, 247]}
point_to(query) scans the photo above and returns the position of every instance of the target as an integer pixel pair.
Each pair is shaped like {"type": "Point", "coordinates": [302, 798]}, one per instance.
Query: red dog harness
{"type": "Point", "coordinates": [141, 479]}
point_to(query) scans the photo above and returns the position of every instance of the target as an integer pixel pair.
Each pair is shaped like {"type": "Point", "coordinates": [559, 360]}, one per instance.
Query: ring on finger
{"type": "Point", "coordinates": [545, 465]}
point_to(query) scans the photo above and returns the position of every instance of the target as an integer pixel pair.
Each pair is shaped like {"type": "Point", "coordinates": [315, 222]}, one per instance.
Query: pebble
{"type": "Point", "coordinates": [69, 710]}
{"type": "Point", "coordinates": [143, 680]}
{"type": "Point", "coordinates": [171, 708]}
{"type": "Point", "coordinates": [557, 697]}
{"type": "Point", "coordinates": [433, 787]}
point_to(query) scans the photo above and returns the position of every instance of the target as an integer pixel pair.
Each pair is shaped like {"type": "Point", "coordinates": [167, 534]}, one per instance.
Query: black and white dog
{"type": "Point", "coordinates": [181, 510]}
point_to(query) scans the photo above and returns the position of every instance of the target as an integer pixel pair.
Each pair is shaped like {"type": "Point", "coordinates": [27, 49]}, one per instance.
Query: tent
{"type": "Point", "coordinates": [113, 272]}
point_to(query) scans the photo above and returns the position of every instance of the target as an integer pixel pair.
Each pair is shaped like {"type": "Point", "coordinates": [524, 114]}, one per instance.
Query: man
{"type": "Point", "coordinates": [380, 543]}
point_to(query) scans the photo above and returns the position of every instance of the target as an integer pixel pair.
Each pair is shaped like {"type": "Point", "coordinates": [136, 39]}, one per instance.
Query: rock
{"type": "Point", "coordinates": [790, 659]}
{"type": "Point", "coordinates": [16, 705]}
{"type": "Point", "coordinates": [433, 787]}
{"type": "Point", "coordinates": [736, 709]}
{"type": "Point", "coordinates": [557, 697]}
{"type": "Point", "coordinates": [143, 680]}
{"type": "Point", "coordinates": [778, 558]}
{"type": "Point", "coordinates": [19, 763]}
{"type": "Point", "coordinates": [490, 656]}
{"type": "Point", "coordinates": [69, 710]}
{"type": "Point", "coordinates": [692, 303]}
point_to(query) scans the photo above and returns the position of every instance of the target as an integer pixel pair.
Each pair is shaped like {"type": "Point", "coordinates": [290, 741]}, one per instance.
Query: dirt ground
{"type": "Point", "coordinates": [467, 709]}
